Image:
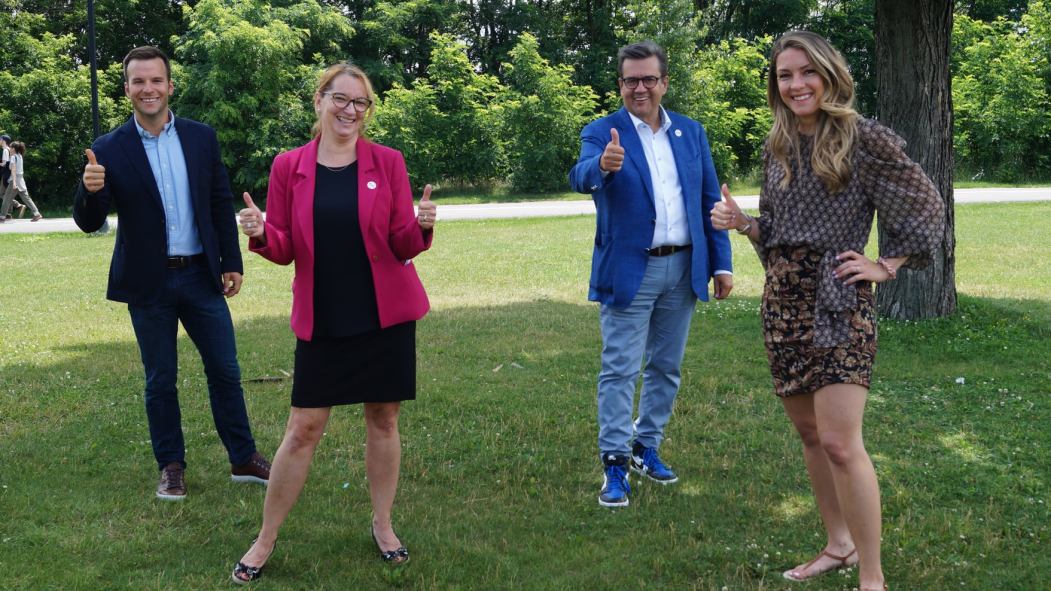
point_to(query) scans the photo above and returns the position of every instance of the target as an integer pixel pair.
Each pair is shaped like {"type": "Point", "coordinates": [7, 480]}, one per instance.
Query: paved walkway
{"type": "Point", "coordinates": [554, 208]}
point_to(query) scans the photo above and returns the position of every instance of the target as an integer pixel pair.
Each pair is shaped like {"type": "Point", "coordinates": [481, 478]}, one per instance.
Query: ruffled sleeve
{"type": "Point", "coordinates": [910, 209]}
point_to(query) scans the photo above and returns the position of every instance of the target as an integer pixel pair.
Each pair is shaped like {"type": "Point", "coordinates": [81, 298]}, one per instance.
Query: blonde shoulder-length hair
{"type": "Point", "coordinates": [837, 120]}
{"type": "Point", "coordinates": [325, 84]}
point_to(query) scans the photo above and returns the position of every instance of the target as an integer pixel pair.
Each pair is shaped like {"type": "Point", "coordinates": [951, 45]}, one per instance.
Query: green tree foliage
{"type": "Point", "coordinates": [443, 124]}
{"type": "Point", "coordinates": [248, 68]}
{"type": "Point", "coordinates": [1000, 97]}
{"type": "Point", "coordinates": [120, 25]}
{"type": "Point", "coordinates": [849, 26]}
{"type": "Point", "coordinates": [990, 10]}
{"type": "Point", "coordinates": [477, 91]}
{"type": "Point", "coordinates": [542, 113]}
{"type": "Point", "coordinates": [589, 44]}
{"type": "Point", "coordinates": [674, 25]}
{"type": "Point", "coordinates": [393, 39]}
{"type": "Point", "coordinates": [755, 18]}
{"type": "Point", "coordinates": [46, 101]}
{"type": "Point", "coordinates": [728, 96]}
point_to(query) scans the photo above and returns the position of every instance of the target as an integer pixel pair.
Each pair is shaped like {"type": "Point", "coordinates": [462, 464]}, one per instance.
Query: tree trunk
{"type": "Point", "coordinates": [915, 100]}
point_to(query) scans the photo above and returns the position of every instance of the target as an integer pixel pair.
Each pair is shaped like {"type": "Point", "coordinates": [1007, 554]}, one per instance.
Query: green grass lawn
{"type": "Point", "coordinates": [500, 471]}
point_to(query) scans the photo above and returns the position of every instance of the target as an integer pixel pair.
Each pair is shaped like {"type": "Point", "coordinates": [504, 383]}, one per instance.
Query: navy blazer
{"type": "Point", "coordinates": [626, 215]}
{"type": "Point", "coordinates": [137, 273]}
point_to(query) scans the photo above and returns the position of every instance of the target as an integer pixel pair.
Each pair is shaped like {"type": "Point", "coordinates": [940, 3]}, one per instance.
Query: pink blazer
{"type": "Point", "coordinates": [388, 225]}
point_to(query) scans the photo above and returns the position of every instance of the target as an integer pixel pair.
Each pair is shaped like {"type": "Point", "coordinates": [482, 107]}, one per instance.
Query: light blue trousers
{"type": "Point", "coordinates": [653, 327]}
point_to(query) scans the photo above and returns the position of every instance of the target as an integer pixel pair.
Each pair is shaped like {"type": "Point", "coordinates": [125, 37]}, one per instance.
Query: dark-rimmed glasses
{"type": "Point", "coordinates": [633, 83]}
{"type": "Point", "coordinates": [341, 100]}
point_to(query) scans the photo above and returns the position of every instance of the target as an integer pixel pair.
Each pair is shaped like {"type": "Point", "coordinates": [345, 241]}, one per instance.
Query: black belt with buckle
{"type": "Point", "coordinates": [667, 249]}
{"type": "Point", "coordinates": [183, 262]}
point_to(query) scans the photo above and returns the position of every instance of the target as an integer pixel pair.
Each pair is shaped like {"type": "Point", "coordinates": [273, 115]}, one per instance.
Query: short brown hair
{"type": "Point", "coordinates": [19, 147]}
{"type": "Point", "coordinates": [147, 52]}
{"type": "Point", "coordinates": [640, 51]}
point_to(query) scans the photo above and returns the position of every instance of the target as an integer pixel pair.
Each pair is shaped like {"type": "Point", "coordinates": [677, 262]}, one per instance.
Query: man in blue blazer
{"type": "Point", "coordinates": [176, 256]}
{"type": "Point", "coordinates": [651, 175]}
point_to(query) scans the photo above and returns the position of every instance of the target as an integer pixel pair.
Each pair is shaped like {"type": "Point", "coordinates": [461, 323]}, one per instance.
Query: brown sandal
{"type": "Point", "coordinates": [842, 564]}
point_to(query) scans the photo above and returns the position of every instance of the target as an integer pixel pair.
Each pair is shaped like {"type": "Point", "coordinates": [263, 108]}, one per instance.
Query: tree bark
{"type": "Point", "coordinates": [915, 99]}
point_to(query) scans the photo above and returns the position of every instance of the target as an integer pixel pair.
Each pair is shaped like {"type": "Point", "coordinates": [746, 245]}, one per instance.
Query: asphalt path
{"type": "Point", "coordinates": [553, 208]}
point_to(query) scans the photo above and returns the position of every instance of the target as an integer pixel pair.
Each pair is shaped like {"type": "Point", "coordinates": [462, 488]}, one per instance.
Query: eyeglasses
{"type": "Point", "coordinates": [341, 100]}
{"type": "Point", "coordinates": [633, 83]}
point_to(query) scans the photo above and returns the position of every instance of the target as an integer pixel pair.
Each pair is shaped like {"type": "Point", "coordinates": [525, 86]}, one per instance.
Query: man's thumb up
{"type": "Point", "coordinates": [94, 173]}
{"type": "Point", "coordinates": [612, 158]}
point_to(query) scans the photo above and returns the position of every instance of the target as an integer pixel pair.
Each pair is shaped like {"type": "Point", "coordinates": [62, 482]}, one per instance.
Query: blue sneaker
{"type": "Point", "coordinates": [647, 462]}
{"type": "Point", "coordinates": [615, 487]}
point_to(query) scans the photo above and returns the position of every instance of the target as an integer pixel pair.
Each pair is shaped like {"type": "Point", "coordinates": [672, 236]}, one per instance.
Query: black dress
{"type": "Point", "coordinates": [349, 358]}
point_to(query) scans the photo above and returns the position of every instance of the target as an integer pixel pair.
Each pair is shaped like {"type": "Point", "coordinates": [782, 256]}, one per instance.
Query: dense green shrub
{"type": "Point", "coordinates": [542, 113]}
{"type": "Point", "coordinates": [1000, 96]}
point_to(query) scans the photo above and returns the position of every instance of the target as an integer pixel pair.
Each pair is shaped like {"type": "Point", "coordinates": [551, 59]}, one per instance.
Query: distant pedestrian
{"type": "Point", "coordinates": [18, 181]}
{"type": "Point", "coordinates": [6, 186]}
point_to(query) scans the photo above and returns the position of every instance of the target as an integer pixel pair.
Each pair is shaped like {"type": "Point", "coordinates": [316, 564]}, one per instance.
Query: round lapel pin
{"type": "Point", "coordinates": [678, 133]}
{"type": "Point", "coordinates": [371, 184]}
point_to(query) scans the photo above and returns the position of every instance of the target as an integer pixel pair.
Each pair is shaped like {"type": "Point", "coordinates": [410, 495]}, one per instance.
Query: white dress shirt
{"type": "Point", "coordinates": [671, 226]}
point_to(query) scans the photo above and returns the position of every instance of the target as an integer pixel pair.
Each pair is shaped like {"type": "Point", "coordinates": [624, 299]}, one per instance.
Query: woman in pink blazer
{"type": "Point", "coordinates": [341, 208]}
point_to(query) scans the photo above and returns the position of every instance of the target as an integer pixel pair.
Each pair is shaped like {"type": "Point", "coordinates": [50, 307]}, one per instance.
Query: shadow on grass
{"type": "Point", "coordinates": [500, 472]}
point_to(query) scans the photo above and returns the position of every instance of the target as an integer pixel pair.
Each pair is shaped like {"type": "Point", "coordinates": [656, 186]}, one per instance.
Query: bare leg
{"type": "Point", "coordinates": [839, 409]}
{"type": "Point", "coordinates": [800, 410]}
{"type": "Point", "coordinates": [288, 474]}
{"type": "Point", "coordinates": [383, 464]}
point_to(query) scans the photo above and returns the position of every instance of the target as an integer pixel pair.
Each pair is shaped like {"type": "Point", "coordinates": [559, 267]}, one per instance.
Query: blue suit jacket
{"type": "Point", "coordinates": [626, 215]}
{"type": "Point", "coordinates": [138, 270]}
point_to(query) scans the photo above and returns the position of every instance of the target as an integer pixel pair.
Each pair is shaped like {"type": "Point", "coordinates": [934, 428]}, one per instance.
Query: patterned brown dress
{"type": "Point", "coordinates": [819, 331]}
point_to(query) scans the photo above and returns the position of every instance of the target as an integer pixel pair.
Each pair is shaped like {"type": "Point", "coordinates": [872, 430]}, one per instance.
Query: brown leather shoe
{"type": "Point", "coordinates": [256, 469]}
{"type": "Point", "coordinates": [172, 487]}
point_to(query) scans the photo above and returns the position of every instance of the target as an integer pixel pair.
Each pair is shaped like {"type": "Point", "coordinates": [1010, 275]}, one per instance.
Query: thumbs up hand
{"type": "Point", "coordinates": [613, 156]}
{"type": "Point", "coordinates": [427, 210]}
{"type": "Point", "coordinates": [727, 215]}
{"type": "Point", "coordinates": [251, 219]}
{"type": "Point", "coordinates": [94, 173]}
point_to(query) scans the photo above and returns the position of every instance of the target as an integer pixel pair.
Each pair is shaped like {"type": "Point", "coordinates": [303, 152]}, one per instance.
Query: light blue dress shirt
{"type": "Point", "coordinates": [169, 171]}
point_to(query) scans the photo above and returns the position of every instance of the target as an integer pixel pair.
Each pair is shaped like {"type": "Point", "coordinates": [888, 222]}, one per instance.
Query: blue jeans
{"type": "Point", "coordinates": [191, 296]}
{"type": "Point", "coordinates": [655, 327]}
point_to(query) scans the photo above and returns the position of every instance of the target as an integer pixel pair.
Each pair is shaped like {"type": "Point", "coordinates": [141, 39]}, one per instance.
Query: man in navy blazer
{"type": "Point", "coordinates": [176, 256]}
{"type": "Point", "coordinates": [651, 175]}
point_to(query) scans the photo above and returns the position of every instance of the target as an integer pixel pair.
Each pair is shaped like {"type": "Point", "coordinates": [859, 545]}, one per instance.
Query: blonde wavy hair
{"type": "Point", "coordinates": [325, 84]}
{"type": "Point", "coordinates": [837, 120]}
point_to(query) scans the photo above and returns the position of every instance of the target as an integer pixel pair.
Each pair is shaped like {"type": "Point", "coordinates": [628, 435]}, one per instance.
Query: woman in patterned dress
{"type": "Point", "coordinates": [826, 171]}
